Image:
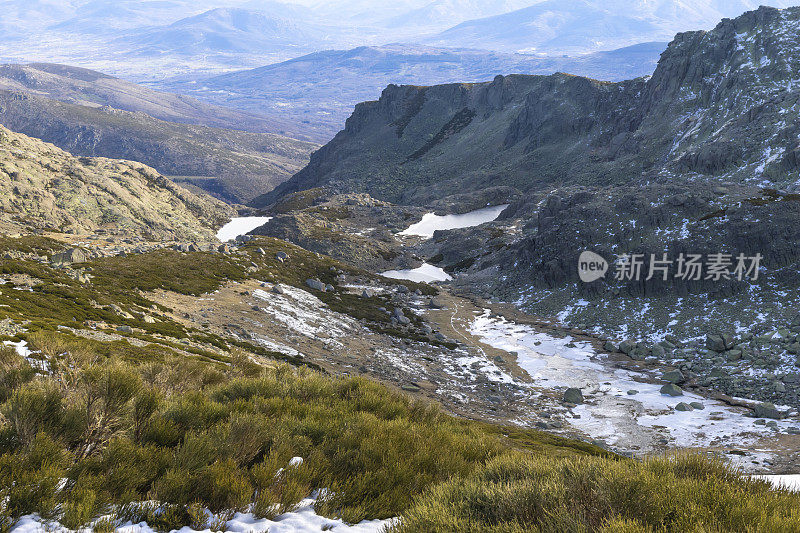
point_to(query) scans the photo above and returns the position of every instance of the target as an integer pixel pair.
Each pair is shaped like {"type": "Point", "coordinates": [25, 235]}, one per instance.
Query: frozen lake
{"type": "Point", "coordinates": [240, 226]}
{"type": "Point", "coordinates": [632, 420]}
{"type": "Point", "coordinates": [425, 274]}
{"type": "Point", "coordinates": [431, 222]}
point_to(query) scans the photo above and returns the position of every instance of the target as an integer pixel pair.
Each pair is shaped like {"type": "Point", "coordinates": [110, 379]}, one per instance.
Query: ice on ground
{"type": "Point", "coordinates": [789, 482]}
{"type": "Point", "coordinates": [302, 520]}
{"type": "Point", "coordinates": [240, 226]}
{"type": "Point", "coordinates": [427, 273]}
{"type": "Point", "coordinates": [637, 421]}
{"type": "Point", "coordinates": [305, 314]}
{"type": "Point", "coordinates": [431, 222]}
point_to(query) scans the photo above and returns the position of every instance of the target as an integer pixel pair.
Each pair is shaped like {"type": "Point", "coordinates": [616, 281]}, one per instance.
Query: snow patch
{"type": "Point", "coordinates": [427, 273]}
{"type": "Point", "coordinates": [240, 226]}
{"type": "Point", "coordinates": [432, 222]}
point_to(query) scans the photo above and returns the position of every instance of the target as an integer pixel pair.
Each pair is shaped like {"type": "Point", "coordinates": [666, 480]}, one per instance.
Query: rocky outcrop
{"type": "Point", "coordinates": [45, 188]}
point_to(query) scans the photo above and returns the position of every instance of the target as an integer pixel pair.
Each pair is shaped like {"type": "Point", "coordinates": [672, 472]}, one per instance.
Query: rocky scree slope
{"type": "Point", "coordinates": [45, 188]}
{"type": "Point", "coordinates": [232, 165]}
{"type": "Point", "coordinates": [721, 105]}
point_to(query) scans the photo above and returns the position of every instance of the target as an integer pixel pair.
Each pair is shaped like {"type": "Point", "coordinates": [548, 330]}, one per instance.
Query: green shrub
{"type": "Point", "coordinates": [81, 506]}
{"type": "Point", "coordinates": [519, 492]}
{"type": "Point", "coordinates": [33, 408]}
{"type": "Point", "coordinates": [14, 371]}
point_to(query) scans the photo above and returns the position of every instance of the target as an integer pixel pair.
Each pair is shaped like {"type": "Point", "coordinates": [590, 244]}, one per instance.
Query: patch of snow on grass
{"type": "Point", "coordinates": [789, 482]}
{"type": "Point", "coordinates": [302, 520]}
{"type": "Point", "coordinates": [304, 313]}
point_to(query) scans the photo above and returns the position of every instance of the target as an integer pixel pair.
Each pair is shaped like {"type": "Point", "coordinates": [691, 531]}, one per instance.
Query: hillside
{"type": "Point", "coordinates": [322, 88]}
{"type": "Point", "coordinates": [85, 87]}
{"type": "Point", "coordinates": [45, 188]}
{"type": "Point", "coordinates": [225, 31]}
{"type": "Point", "coordinates": [721, 105]}
{"type": "Point", "coordinates": [232, 165]}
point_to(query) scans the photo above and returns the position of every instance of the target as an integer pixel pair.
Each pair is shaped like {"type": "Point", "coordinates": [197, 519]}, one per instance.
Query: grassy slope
{"type": "Point", "coordinates": [124, 423]}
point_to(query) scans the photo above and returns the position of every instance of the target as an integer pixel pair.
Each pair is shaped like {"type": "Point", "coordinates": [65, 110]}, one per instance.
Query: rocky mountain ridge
{"type": "Point", "coordinates": [721, 106]}
{"type": "Point", "coordinates": [321, 88]}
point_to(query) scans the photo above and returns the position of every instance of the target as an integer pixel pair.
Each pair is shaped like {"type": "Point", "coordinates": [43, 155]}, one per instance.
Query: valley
{"type": "Point", "coordinates": [438, 266]}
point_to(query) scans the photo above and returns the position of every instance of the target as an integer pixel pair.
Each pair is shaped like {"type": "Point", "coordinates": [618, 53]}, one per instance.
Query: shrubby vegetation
{"type": "Point", "coordinates": [195, 434]}
{"type": "Point", "coordinates": [523, 493]}
{"type": "Point", "coordinates": [90, 428]}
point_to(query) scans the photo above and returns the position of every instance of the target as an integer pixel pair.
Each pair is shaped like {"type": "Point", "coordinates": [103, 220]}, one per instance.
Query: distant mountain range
{"type": "Point", "coordinates": [228, 31]}
{"type": "Point", "coordinates": [152, 41]}
{"type": "Point", "coordinates": [94, 89]}
{"type": "Point", "coordinates": [578, 26]}
{"type": "Point", "coordinates": [320, 90]}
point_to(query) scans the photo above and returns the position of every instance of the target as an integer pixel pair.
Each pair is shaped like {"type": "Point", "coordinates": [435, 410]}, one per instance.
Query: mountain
{"type": "Point", "coordinates": [19, 19]}
{"type": "Point", "coordinates": [721, 105]}
{"type": "Point", "coordinates": [580, 26]}
{"type": "Point", "coordinates": [232, 165]}
{"type": "Point", "coordinates": [94, 89]}
{"type": "Point", "coordinates": [445, 13]}
{"type": "Point", "coordinates": [321, 88]}
{"type": "Point", "coordinates": [224, 31]}
{"type": "Point", "coordinates": [45, 188]}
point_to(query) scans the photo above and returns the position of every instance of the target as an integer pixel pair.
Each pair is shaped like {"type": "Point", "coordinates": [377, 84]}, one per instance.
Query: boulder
{"type": "Point", "coordinates": [316, 284]}
{"type": "Point", "coordinates": [282, 256]}
{"type": "Point", "coordinates": [610, 347]}
{"type": "Point", "coordinates": [673, 376]}
{"type": "Point", "coordinates": [573, 395]}
{"type": "Point", "coordinates": [697, 405]}
{"type": "Point", "coordinates": [684, 407]}
{"type": "Point", "coordinates": [767, 410]}
{"type": "Point", "coordinates": [436, 304]}
{"type": "Point", "coordinates": [658, 351]}
{"type": "Point", "coordinates": [73, 255]}
{"type": "Point", "coordinates": [719, 343]}
{"type": "Point", "coordinates": [627, 346]}
{"type": "Point", "coordinates": [670, 389]}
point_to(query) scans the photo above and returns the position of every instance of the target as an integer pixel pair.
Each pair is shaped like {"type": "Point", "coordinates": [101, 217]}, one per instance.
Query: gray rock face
{"type": "Point", "coordinates": [574, 396]}
{"type": "Point", "coordinates": [544, 123]}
